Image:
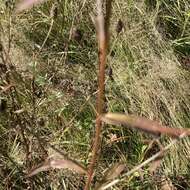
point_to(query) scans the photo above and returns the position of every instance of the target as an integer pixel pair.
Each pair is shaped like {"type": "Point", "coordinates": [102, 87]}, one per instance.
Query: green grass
{"type": "Point", "coordinates": [58, 93]}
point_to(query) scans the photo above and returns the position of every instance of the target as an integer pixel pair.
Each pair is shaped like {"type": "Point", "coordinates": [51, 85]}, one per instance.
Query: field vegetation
{"type": "Point", "coordinates": [49, 85]}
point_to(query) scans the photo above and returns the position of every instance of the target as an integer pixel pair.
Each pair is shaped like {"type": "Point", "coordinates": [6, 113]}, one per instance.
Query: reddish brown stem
{"type": "Point", "coordinates": [102, 34]}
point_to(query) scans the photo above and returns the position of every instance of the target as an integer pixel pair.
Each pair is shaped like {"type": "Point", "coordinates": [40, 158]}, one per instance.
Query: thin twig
{"type": "Point", "coordinates": [102, 35]}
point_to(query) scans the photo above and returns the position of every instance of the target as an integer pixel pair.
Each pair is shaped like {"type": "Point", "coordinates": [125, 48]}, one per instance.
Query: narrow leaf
{"type": "Point", "coordinates": [114, 171]}
{"type": "Point", "coordinates": [70, 164]}
{"type": "Point", "coordinates": [40, 168]}
{"type": "Point", "coordinates": [154, 165]}
{"type": "Point", "coordinates": [110, 174]}
{"type": "Point", "coordinates": [143, 124]}
{"type": "Point", "coordinates": [53, 163]}
{"type": "Point", "coordinates": [26, 4]}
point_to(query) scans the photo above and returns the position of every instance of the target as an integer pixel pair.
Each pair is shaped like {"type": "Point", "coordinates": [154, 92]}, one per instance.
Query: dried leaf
{"type": "Point", "coordinates": [110, 174]}
{"type": "Point", "coordinates": [143, 124]}
{"type": "Point", "coordinates": [53, 163]}
{"type": "Point", "coordinates": [114, 171]}
{"type": "Point", "coordinates": [40, 168]}
{"type": "Point", "coordinates": [70, 164]}
{"type": "Point", "coordinates": [154, 165]}
{"type": "Point", "coordinates": [26, 4]}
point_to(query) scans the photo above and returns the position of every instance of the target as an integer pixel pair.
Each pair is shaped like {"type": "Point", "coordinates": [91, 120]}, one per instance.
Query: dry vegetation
{"type": "Point", "coordinates": [48, 81]}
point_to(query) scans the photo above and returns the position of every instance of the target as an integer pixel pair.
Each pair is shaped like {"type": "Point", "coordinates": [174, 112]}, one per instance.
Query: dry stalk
{"type": "Point", "coordinates": [103, 39]}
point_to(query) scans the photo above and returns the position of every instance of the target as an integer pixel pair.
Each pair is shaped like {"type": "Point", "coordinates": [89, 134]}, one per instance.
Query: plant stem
{"type": "Point", "coordinates": [103, 38]}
